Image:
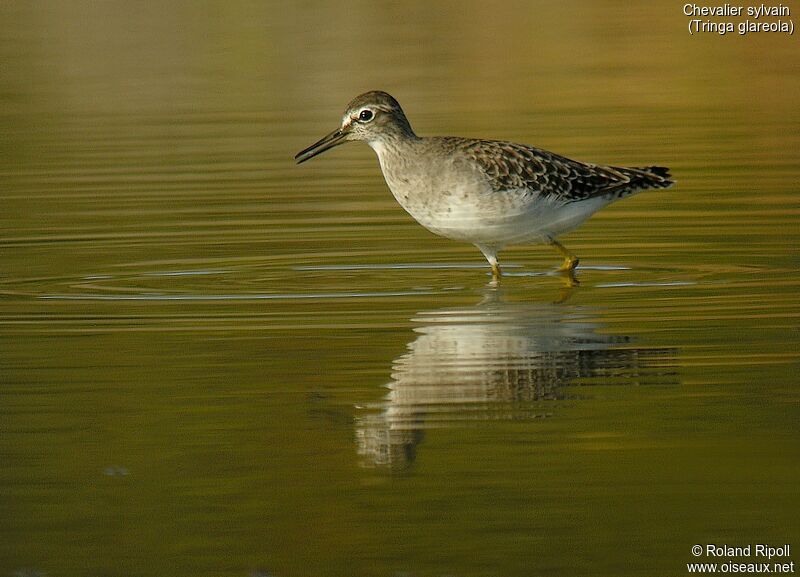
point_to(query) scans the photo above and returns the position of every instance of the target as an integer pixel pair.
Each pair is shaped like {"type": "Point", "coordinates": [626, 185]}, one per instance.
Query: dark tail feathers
{"type": "Point", "coordinates": [656, 176]}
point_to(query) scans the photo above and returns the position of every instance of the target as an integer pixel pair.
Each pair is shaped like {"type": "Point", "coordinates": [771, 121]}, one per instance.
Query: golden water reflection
{"type": "Point", "coordinates": [498, 360]}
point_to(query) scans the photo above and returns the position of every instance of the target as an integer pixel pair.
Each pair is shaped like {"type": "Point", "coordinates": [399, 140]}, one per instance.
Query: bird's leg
{"type": "Point", "coordinates": [491, 255]}
{"type": "Point", "coordinates": [568, 279]}
{"type": "Point", "coordinates": [496, 272]}
{"type": "Point", "coordinates": [570, 260]}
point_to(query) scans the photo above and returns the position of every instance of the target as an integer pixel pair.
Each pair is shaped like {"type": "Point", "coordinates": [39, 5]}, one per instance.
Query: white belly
{"type": "Point", "coordinates": [497, 219]}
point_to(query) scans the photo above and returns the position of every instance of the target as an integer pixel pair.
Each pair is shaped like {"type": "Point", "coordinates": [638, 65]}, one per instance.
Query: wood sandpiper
{"type": "Point", "coordinates": [486, 192]}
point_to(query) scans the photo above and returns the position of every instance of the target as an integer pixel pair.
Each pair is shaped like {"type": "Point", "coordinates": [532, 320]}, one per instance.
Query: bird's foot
{"type": "Point", "coordinates": [569, 265]}
{"type": "Point", "coordinates": [496, 273]}
{"type": "Point", "coordinates": [568, 278]}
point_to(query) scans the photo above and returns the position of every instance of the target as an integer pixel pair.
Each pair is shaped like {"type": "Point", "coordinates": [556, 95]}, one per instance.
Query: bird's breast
{"type": "Point", "coordinates": [447, 204]}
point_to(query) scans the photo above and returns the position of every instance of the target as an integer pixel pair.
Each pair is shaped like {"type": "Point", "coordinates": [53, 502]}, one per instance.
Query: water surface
{"type": "Point", "coordinates": [214, 362]}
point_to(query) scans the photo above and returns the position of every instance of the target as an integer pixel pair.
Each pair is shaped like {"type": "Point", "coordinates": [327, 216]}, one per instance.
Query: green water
{"type": "Point", "coordinates": [215, 362]}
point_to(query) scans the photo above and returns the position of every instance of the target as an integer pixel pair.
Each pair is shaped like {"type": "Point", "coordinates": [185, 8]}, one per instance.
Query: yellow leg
{"type": "Point", "coordinates": [570, 260]}
{"type": "Point", "coordinates": [491, 255]}
{"type": "Point", "coordinates": [568, 279]}
{"type": "Point", "coordinates": [496, 272]}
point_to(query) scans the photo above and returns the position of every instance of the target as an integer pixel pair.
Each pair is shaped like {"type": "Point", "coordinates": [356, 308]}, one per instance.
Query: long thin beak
{"type": "Point", "coordinates": [333, 139]}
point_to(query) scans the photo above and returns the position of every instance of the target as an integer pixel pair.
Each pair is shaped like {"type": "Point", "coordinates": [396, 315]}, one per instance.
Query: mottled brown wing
{"type": "Point", "coordinates": [511, 166]}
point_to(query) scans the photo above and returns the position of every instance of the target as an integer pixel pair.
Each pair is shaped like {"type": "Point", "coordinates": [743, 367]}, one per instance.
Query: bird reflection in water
{"type": "Point", "coordinates": [497, 360]}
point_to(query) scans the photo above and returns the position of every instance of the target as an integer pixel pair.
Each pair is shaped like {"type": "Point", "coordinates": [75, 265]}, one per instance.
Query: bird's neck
{"type": "Point", "coordinates": [394, 143]}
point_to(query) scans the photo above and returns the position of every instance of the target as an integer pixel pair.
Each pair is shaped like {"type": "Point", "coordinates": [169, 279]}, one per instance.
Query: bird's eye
{"type": "Point", "coordinates": [365, 116]}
